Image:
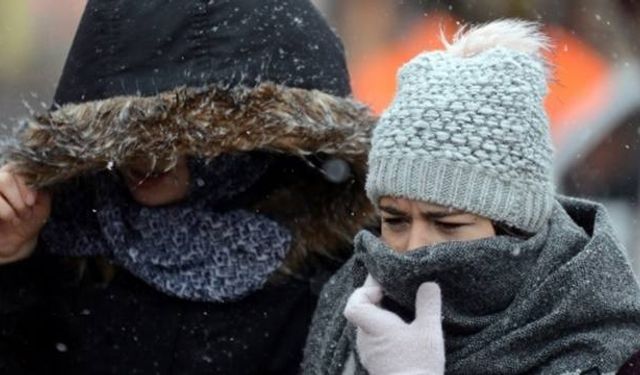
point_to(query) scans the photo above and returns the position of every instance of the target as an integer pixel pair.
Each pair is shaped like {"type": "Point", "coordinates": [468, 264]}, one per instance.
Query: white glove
{"type": "Point", "coordinates": [386, 344]}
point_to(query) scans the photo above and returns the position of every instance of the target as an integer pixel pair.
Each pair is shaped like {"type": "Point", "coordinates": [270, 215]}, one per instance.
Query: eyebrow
{"type": "Point", "coordinates": [429, 214]}
{"type": "Point", "coordinates": [392, 210]}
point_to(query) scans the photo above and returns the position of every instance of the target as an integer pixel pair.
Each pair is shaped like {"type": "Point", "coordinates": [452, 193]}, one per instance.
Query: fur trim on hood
{"type": "Point", "coordinates": [206, 122]}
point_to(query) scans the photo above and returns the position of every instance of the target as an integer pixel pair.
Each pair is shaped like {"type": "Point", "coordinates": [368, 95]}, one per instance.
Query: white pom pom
{"type": "Point", "coordinates": [519, 35]}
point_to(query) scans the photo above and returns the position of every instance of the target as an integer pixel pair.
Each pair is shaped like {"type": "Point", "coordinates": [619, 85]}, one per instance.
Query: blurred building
{"type": "Point", "coordinates": [35, 36]}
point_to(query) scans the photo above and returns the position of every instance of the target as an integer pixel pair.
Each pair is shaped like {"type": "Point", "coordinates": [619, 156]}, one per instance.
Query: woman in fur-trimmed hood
{"type": "Point", "coordinates": [200, 172]}
{"type": "Point", "coordinates": [479, 267]}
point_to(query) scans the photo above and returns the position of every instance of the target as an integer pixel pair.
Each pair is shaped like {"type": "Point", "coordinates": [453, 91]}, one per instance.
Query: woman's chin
{"type": "Point", "coordinates": [154, 200]}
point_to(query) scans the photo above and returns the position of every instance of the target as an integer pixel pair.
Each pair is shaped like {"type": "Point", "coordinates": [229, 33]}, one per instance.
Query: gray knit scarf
{"type": "Point", "coordinates": [564, 300]}
{"type": "Point", "coordinates": [192, 250]}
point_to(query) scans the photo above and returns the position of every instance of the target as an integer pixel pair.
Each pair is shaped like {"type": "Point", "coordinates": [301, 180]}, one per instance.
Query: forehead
{"type": "Point", "coordinates": [408, 204]}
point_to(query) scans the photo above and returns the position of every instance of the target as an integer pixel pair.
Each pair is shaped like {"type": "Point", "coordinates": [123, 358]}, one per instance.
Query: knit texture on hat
{"type": "Point", "coordinates": [467, 128]}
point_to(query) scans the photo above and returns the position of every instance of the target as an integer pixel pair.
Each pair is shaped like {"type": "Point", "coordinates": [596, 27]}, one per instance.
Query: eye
{"type": "Point", "coordinates": [449, 227]}
{"type": "Point", "coordinates": [395, 223]}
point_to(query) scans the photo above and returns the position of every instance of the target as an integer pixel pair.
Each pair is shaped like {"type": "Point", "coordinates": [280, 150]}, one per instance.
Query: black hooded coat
{"type": "Point", "coordinates": [202, 78]}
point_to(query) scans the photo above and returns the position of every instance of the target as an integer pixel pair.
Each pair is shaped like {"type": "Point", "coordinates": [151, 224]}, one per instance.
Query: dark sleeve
{"type": "Point", "coordinates": [632, 366]}
{"type": "Point", "coordinates": [20, 298]}
{"type": "Point", "coordinates": [287, 353]}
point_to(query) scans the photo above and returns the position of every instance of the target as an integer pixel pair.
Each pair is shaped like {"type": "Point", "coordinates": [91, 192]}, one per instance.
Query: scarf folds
{"type": "Point", "coordinates": [188, 250]}
{"type": "Point", "coordinates": [564, 300]}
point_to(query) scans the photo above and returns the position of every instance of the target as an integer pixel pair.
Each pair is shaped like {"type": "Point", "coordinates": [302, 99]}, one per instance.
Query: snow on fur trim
{"type": "Point", "coordinates": [206, 122]}
{"type": "Point", "coordinates": [515, 34]}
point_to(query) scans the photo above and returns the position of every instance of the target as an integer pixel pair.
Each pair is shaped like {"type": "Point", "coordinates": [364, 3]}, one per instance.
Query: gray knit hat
{"type": "Point", "coordinates": [468, 130]}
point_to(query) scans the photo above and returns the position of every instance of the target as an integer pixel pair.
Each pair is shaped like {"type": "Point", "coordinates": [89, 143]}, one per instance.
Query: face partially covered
{"type": "Point", "coordinates": [408, 224]}
{"type": "Point", "coordinates": [157, 186]}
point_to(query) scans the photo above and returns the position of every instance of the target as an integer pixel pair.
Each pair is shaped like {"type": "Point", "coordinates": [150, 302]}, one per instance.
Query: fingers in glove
{"type": "Point", "coordinates": [371, 282]}
{"type": "Point", "coordinates": [365, 314]}
{"type": "Point", "coordinates": [366, 294]}
{"type": "Point", "coordinates": [429, 316]}
{"type": "Point", "coordinates": [429, 301]}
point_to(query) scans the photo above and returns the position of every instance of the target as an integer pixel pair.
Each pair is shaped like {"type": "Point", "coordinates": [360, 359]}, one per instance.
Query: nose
{"type": "Point", "coordinates": [420, 237]}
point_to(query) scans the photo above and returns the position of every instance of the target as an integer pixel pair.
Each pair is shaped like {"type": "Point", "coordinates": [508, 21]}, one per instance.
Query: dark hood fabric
{"type": "Point", "coordinates": [161, 79]}
{"type": "Point", "coordinates": [562, 301]}
{"type": "Point", "coordinates": [144, 47]}
{"type": "Point", "coordinates": [631, 367]}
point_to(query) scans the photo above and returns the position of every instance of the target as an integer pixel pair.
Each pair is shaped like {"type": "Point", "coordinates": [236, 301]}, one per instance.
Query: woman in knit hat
{"type": "Point", "coordinates": [478, 265]}
{"type": "Point", "coordinates": [207, 171]}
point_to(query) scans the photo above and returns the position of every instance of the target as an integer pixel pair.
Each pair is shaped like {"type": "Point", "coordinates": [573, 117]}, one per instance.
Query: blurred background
{"type": "Point", "coordinates": [594, 102]}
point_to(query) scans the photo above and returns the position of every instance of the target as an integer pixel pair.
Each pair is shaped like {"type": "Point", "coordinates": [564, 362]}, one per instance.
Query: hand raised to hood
{"type": "Point", "coordinates": [388, 345]}
{"type": "Point", "coordinates": [23, 213]}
